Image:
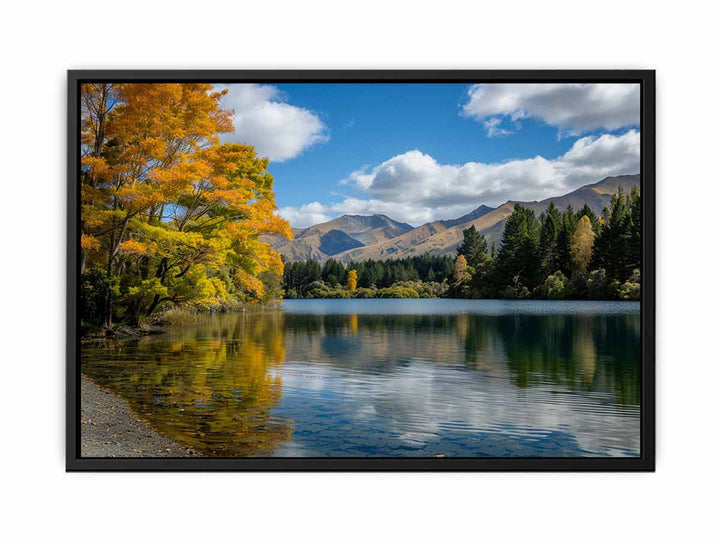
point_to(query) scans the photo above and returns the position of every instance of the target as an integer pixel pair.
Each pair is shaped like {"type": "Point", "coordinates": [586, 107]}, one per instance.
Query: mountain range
{"type": "Point", "coordinates": [352, 238]}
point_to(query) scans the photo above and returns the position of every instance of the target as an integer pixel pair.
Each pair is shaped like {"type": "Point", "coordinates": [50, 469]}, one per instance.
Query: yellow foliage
{"type": "Point", "coordinates": [88, 242]}
{"type": "Point", "coordinates": [135, 247]}
{"type": "Point", "coordinates": [161, 192]}
{"type": "Point", "coordinates": [582, 244]}
{"type": "Point", "coordinates": [352, 280]}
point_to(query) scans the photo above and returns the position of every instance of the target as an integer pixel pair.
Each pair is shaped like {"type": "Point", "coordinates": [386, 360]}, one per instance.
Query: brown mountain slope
{"type": "Point", "coordinates": [430, 238]}
{"type": "Point", "coordinates": [365, 229]}
{"type": "Point", "coordinates": [394, 247]}
{"type": "Point", "coordinates": [324, 240]}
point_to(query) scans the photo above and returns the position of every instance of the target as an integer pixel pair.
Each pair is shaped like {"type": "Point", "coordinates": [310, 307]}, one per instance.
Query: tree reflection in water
{"type": "Point", "coordinates": [209, 387]}
{"type": "Point", "coordinates": [213, 386]}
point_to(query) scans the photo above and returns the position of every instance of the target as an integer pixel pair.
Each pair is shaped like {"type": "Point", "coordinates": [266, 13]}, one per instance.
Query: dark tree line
{"type": "Point", "coordinates": [560, 254]}
{"type": "Point", "coordinates": [303, 277]}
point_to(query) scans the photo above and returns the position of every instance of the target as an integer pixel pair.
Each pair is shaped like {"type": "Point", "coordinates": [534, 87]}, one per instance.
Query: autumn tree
{"type": "Point", "coordinates": [582, 244]}
{"type": "Point", "coordinates": [352, 280]}
{"type": "Point", "coordinates": [587, 211]}
{"type": "Point", "coordinates": [461, 269]}
{"type": "Point", "coordinates": [168, 213]}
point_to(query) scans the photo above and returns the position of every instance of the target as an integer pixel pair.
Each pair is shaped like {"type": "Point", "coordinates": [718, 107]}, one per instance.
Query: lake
{"type": "Point", "coordinates": [390, 377]}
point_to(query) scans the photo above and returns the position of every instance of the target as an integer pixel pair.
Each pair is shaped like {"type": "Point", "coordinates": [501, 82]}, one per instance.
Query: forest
{"type": "Point", "coordinates": [170, 216]}
{"type": "Point", "coordinates": [559, 255]}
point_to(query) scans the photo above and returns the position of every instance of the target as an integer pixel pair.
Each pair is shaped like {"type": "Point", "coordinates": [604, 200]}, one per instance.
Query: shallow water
{"type": "Point", "coordinates": [411, 378]}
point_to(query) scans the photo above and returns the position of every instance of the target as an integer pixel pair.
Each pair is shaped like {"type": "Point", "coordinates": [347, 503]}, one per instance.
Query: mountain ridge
{"type": "Point", "coordinates": [323, 240]}
{"type": "Point", "coordinates": [390, 239]}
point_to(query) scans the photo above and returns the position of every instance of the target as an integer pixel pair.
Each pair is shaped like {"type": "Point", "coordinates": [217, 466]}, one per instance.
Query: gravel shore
{"type": "Point", "coordinates": [110, 429]}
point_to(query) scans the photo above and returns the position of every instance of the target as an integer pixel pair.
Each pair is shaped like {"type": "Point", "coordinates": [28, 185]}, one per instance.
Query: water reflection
{"type": "Point", "coordinates": [554, 382]}
{"type": "Point", "coordinates": [209, 386]}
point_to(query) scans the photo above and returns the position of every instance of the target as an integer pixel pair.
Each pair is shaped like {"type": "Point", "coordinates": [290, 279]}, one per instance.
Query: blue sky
{"type": "Point", "coordinates": [419, 152]}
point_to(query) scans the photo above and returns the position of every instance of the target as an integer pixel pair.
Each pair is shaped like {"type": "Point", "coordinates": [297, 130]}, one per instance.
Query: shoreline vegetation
{"type": "Point", "coordinates": [562, 255]}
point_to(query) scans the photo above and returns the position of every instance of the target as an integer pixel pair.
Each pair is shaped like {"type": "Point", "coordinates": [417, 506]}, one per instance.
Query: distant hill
{"type": "Point", "coordinates": [437, 239]}
{"type": "Point", "coordinates": [335, 241]}
{"type": "Point", "coordinates": [335, 236]}
{"type": "Point", "coordinates": [480, 211]}
{"type": "Point", "coordinates": [354, 238]}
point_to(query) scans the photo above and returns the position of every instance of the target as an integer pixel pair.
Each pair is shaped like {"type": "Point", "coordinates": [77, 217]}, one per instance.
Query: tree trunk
{"type": "Point", "coordinates": [154, 305]}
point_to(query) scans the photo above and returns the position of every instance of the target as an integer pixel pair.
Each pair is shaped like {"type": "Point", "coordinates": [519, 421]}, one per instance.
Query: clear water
{"type": "Point", "coordinates": [377, 378]}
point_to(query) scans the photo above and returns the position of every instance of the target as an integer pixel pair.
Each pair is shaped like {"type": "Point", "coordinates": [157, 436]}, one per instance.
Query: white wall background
{"type": "Point", "coordinates": [39, 42]}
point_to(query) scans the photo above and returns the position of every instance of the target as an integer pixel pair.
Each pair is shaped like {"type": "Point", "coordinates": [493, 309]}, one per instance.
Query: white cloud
{"type": "Point", "coordinates": [305, 215]}
{"type": "Point", "coordinates": [276, 129]}
{"type": "Point", "coordinates": [415, 188]}
{"type": "Point", "coordinates": [573, 108]}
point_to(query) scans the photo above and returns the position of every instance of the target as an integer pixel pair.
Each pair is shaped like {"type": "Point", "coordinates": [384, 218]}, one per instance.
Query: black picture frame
{"type": "Point", "coordinates": [646, 461]}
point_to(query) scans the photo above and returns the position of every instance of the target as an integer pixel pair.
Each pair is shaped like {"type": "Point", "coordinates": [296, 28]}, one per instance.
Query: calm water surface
{"type": "Point", "coordinates": [390, 378]}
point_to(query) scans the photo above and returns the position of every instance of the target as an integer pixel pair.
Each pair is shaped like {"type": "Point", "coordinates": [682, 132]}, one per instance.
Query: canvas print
{"type": "Point", "coordinates": [360, 270]}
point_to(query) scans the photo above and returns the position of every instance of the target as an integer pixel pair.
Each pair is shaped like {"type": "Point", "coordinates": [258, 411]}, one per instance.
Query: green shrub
{"type": "Point", "coordinates": [630, 290]}
{"type": "Point", "coordinates": [556, 287]}
{"type": "Point", "coordinates": [600, 287]}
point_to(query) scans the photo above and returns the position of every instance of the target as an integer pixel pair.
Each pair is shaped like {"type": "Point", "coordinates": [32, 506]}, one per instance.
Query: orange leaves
{"type": "Point", "coordinates": [89, 243]}
{"type": "Point", "coordinates": [185, 115]}
{"type": "Point", "coordinates": [161, 193]}
{"type": "Point", "coordinates": [134, 247]}
{"type": "Point", "coordinates": [152, 148]}
{"type": "Point", "coordinates": [136, 197]}
{"type": "Point", "coordinates": [248, 282]}
{"type": "Point", "coordinates": [97, 168]}
{"type": "Point", "coordinates": [180, 179]}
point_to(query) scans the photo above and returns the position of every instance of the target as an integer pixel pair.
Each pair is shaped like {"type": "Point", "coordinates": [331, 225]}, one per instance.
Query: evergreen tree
{"type": "Point", "coordinates": [587, 211]}
{"type": "Point", "coordinates": [635, 247]}
{"type": "Point", "coordinates": [473, 246]}
{"type": "Point", "coordinates": [614, 246]}
{"type": "Point", "coordinates": [333, 273]}
{"type": "Point", "coordinates": [551, 224]}
{"type": "Point", "coordinates": [517, 262]}
{"type": "Point", "coordinates": [564, 240]}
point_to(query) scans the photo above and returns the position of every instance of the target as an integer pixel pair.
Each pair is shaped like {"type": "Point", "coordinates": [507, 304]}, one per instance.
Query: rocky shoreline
{"type": "Point", "coordinates": [108, 428]}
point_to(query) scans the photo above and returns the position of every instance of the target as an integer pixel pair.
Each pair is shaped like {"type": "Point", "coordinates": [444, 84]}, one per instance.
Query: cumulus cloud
{"type": "Point", "coordinates": [276, 129]}
{"type": "Point", "coordinates": [572, 108]}
{"type": "Point", "coordinates": [306, 215]}
{"type": "Point", "coordinates": [415, 188]}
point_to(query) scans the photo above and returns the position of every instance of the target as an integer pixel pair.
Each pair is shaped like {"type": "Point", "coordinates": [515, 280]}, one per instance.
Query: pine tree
{"type": "Point", "coordinates": [615, 245]}
{"type": "Point", "coordinates": [565, 234]}
{"type": "Point", "coordinates": [587, 211]}
{"type": "Point", "coordinates": [333, 273]}
{"type": "Point", "coordinates": [473, 246]}
{"type": "Point", "coordinates": [551, 224]}
{"type": "Point", "coordinates": [518, 261]}
{"type": "Point", "coordinates": [635, 247]}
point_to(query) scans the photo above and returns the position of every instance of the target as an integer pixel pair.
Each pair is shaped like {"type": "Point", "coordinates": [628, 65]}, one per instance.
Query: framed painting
{"type": "Point", "coordinates": [361, 271]}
